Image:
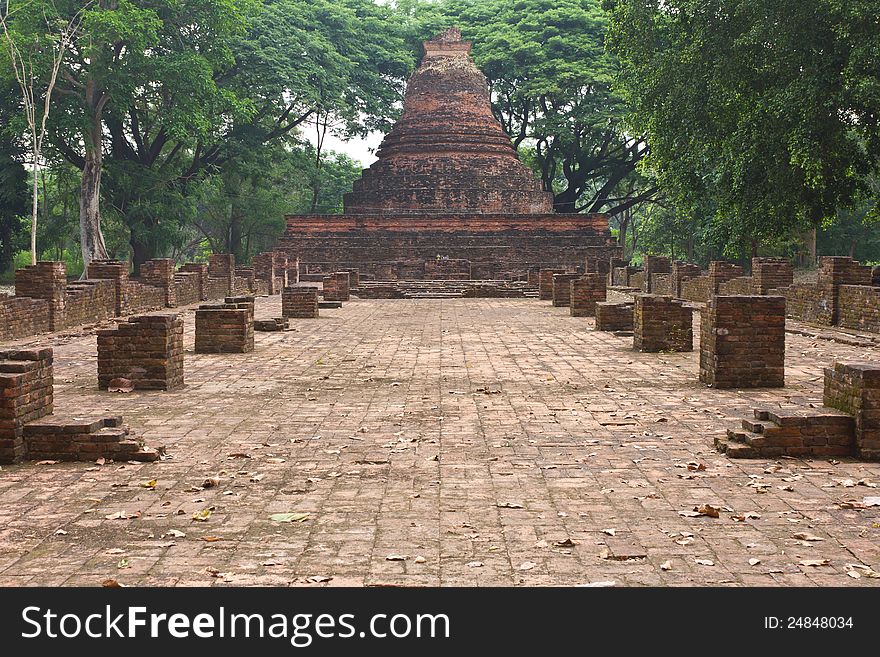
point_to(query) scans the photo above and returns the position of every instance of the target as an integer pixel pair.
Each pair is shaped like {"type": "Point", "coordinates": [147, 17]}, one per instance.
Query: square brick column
{"type": "Point", "coordinates": [45, 280]}
{"type": "Point", "coordinates": [545, 283]}
{"type": "Point", "coordinates": [771, 274]}
{"type": "Point", "coordinates": [159, 272]}
{"type": "Point", "coordinates": [854, 388]}
{"type": "Point", "coordinates": [835, 271]}
{"type": "Point", "coordinates": [336, 286]}
{"type": "Point", "coordinates": [682, 271]}
{"type": "Point", "coordinates": [225, 327]}
{"type": "Point", "coordinates": [222, 266]}
{"type": "Point", "coordinates": [661, 323]}
{"type": "Point", "coordinates": [721, 272]}
{"type": "Point", "coordinates": [586, 291]}
{"type": "Point", "coordinates": [655, 265]}
{"type": "Point", "coordinates": [147, 350]}
{"type": "Point", "coordinates": [611, 316]}
{"type": "Point", "coordinates": [562, 289]}
{"type": "Point", "coordinates": [264, 270]}
{"type": "Point", "coordinates": [742, 342]}
{"type": "Point", "coordinates": [26, 394]}
{"type": "Point", "coordinates": [299, 302]}
{"type": "Point", "coordinates": [116, 271]}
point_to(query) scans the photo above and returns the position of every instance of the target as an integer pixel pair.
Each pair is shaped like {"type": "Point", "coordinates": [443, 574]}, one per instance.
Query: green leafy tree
{"type": "Point", "coordinates": [763, 113]}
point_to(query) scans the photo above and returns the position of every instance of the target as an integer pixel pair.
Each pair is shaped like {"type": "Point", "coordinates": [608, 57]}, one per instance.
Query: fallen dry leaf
{"type": "Point", "coordinates": [527, 565]}
{"type": "Point", "coordinates": [202, 516]}
{"type": "Point", "coordinates": [704, 562]}
{"type": "Point", "coordinates": [754, 562]}
{"type": "Point", "coordinates": [806, 536]}
{"type": "Point", "coordinates": [666, 565]}
{"type": "Point", "coordinates": [815, 562]}
{"type": "Point", "coordinates": [510, 505]}
{"type": "Point", "coordinates": [289, 517]}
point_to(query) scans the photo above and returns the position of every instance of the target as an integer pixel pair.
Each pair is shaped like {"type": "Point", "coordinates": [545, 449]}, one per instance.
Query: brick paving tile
{"type": "Point", "coordinates": [438, 442]}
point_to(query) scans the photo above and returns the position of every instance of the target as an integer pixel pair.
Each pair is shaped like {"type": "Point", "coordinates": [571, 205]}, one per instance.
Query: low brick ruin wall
{"type": "Point", "coordinates": [614, 316]}
{"type": "Point", "coordinates": [586, 291]}
{"type": "Point", "coordinates": [22, 316]}
{"type": "Point", "coordinates": [140, 298]}
{"type": "Point", "coordinates": [809, 302]}
{"type": "Point", "coordinates": [637, 280]}
{"type": "Point", "coordinates": [854, 388]}
{"type": "Point", "coordinates": [89, 301]}
{"type": "Point", "coordinates": [742, 285]}
{"type": "Point", "coordinates": [26, 394]}
{"type": "Point", "coordinates": [226, 327]}
{"type": "Point", "coordinates": [187, 288]}
{"type": "Point", "coordinates": [697, 289]}
{"type": "Point", "coordinates": [742, 342]}
{"type": "Point", "coordinates": [661, 323]}
{"type": "Point", "coordinates": [147, 350]}
{"type": "Point", "coordinates": [562, 289]}
{"type": "Point", "coordinates": [662, 284]}
{"type": "Point", "coordinates": [300, 302]}
{"type": "Point", "coordinates": [859, 307]}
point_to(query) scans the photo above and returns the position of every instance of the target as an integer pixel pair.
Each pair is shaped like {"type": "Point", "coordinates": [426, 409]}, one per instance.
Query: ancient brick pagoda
{"type": "Point", "coordinates": [447, 183]}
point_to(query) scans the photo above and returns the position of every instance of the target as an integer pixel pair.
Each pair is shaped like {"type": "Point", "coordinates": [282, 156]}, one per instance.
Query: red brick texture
{"type": "Point", "coordinates": [146, 350]}
{"type": "Point", "coordinates": [661, 323]}
{"type": "Point", "coordinates": [742, 342]}
{"type": "Point", "coordinates": [586, 292]}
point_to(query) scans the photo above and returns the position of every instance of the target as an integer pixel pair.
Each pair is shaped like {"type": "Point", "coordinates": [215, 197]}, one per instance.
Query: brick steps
{"type": "Point", "coordinates": [771, 434]}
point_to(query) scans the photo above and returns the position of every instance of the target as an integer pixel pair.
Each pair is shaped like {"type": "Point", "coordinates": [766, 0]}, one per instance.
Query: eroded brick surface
{"type": "Point", "coordinates": [497, 431]}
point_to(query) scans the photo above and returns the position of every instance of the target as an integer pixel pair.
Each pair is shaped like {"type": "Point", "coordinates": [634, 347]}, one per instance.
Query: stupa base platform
{"type": "Point", "coordinates": [469, 246]}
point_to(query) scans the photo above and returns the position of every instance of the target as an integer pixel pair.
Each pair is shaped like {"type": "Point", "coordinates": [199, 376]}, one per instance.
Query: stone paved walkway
{"type": "Point", "coordinates": [437, 442]}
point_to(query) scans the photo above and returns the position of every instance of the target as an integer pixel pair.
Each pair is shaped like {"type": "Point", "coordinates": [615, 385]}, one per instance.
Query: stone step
{"type": "Point", "coordinates": [733, 448]}
{"type": "Point", "coordinates": [754, 427]}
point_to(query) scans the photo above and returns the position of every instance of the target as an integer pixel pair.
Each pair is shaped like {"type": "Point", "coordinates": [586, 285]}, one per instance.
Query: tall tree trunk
{"type": "Point", "coordinates": [91, 237]}
{"type": "Point", "coordinates": [140, 253]}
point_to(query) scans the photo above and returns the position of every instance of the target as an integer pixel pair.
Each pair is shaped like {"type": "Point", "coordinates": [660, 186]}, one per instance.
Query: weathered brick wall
{"type": "Point", "coordinates": [159, 272]}
{"type": "Point", "coordinates": [859, 307]}
{"type": "Point", "coordinates": [562, 289]}
{"type": "Point", "coordinates": [200, 271]}
{"type": "Point", "coordinates": [221, 266]}
{"type": "Point", "coordinates": [682, 271]}
{"type": "Point", "coordinates": [187, 288]}
{"type": "Point", "coordinates": [661, 284]}
{"type": "Point", "coordinates": [264, 270]}
{"type": "Point", "coordinates": [661, 323]}
{"type": "Point", "coordinates": [89, 301]}
{"type": "Point", "coordinates": [45, 280]}
{"type": "Point", "coordinates": [448, 269]}
{"type": "Point", "coordinates": [26, 394]}
{"type": "Point", "coordinates": [586, 292]}
{"type": "Point", "coordinates": [217, 288]}
{"type": "Point", "coordinates": [299, 302]}
{"type": "Point", "coordinates": [742, 285]}
{"type": "Point", "coordinates": [835, 271]}
{"type": "Point", "coordinates": [116, 271]}
{"type": "Point", "coordinates": [697, 289]}
{"type": "Point", "coordinates": [637, 280]}
{"type": "Point", "coordinates": [226, 327]}
{"type": "Point", "coordinates": [140, 298]}
{"type": "Point", "coordinates": [854, 388]}
{"type": "Point", "coordinates": [809, 302]}
{"type": "Point", "coordinates": [354, 278]}
{"type": "Point", "coordinates": [22, 316]}
{"type": "Point", "coordinates": [611, 316]}
{"type": "Point", "coordinates": [147, 350]}
{"type": "Point", "coordinates": [655, 265]}
{"type": "Point", "coordinates": [875, 276]}
{"type": "Point", "coordinates": [770, 274]}
{"type": "Point", "coordinates": [742, 342]}
{"type": "Point", "coordinates": [545, 283]}
{"type": "Point", "coordinates": [336, 287]}
{"type": "Point", "coordinates": [720, 271]}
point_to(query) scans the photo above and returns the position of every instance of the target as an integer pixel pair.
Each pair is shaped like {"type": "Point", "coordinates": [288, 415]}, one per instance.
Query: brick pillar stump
{"type": "Point", "coordinates": [586, 292]}
{"type": "Point", "coordinates": [614, 316]}
{"type": "Point", "coordinates": [854, 388]}
{"type": "Point", "coordinates": [562, 289]}
{"type": "Point", "coordinates": [225, 327]}
{"type": "Point", "coordinates": [26, 394]}
{"type": "Point", "coordinates": [661, 323]}
{"type": "Point", "coordinates": [337, 286]}
{"type": "Point", "coordinates": [742, 342]}
{"type": "Point", "coordinates": [299, 302]}
{"type": "Point", "coordinates": [147, 350]}
{"type": "Point", "coordinates": [545, 283]}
